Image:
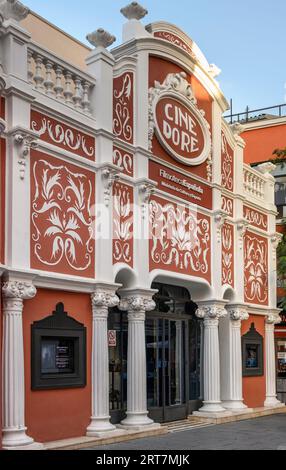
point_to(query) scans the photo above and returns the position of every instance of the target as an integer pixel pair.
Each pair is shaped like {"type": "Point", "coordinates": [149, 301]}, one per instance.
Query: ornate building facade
{"type": "Point", "coordinates": [138, 251]}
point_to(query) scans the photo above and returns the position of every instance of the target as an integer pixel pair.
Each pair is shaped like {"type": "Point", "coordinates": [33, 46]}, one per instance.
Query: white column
{"type": "Point", "coordinates": [102, 299]}
{"type": "Point", "coordinates": [211, 312]}
{"type": "Point", "coordinates": [231, 358]}
{"type": "Point", "coordinates": [270, 369]}
{"type": "Point", "coordinates": [136, 303]}
{"type": "Point", "coordinates": [13, 393]}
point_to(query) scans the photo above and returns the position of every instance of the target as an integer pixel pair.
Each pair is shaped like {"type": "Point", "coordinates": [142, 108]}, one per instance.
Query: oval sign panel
{"type": "Point", "coordinates": [182, 131]}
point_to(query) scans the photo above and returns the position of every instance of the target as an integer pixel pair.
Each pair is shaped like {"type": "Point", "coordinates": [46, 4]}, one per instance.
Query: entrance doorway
{"type": "Point", "coordinates": [173, 345]}
{"type": "Point", "coordinates": [173, 352]}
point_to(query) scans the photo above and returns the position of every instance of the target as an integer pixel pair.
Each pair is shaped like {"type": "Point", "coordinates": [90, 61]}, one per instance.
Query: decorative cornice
{"type": "Point", "coordinates": [18, 290]}
{"type": "Point", "coordinates": [12, 9]}
{"type": "Point", "coordinates": [101, 38]}
{"type": "Point", "coordinates": [134, 11]}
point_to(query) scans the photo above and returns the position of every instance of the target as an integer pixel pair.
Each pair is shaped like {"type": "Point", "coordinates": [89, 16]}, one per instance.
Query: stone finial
{"type": "Point", "coordinates": [214, 70]}
{"type": "Point", "coordinates": [237, 128]}
{"type": "Point", "coordinates": [101, 38]}
{"type": "Point", "coordinates": [266, 167]}
{"type": "Point", "coordinates": [134, 11]}
{"type": "Point", "coordinates": [13, 9]}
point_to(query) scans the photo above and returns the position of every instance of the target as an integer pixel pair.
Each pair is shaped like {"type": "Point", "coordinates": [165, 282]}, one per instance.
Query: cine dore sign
{"type": "Point", "coordinates": [179, 125]}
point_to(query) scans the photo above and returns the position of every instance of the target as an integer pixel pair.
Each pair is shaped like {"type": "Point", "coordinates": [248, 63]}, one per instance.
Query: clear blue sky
{"type": "Point", "coordinates": [246, 39]}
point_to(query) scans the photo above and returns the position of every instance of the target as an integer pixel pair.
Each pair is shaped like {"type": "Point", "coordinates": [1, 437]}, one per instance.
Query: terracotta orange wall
{"type": "Point", "coordinates": [254, 388]}
{"type": "Point", "coordinates": [57, 414]}
{"type": "Point", "coordinates": [260, 143]}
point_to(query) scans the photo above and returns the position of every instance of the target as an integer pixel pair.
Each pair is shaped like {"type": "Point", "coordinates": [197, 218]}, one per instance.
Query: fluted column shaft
{"type": "Point", "coordinates": [102, 300]}
{"type": "Point", "coordinates": [13, 420]}
{"type": "Point", "coordinates": [137, 413]}
{"type": "Point", "coordinates": [232, 384]}
{"type": "Point", "coordinates": [211, 315]}
{"type": "Point", "coordinates": [270, 369]}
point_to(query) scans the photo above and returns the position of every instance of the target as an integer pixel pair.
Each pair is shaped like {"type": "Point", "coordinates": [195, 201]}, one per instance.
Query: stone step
{"type": "Point", "coordinates": [239, 415]}
{"type": "Point", "coordinates": [185, 425]}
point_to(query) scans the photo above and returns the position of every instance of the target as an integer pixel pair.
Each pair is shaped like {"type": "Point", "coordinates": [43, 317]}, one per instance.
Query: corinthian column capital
{"type": "Point", "coordinates": [211, 311]}
{"type": "Point", "coordinates": [137, 302]}
{"type": "Point", "coordinates": [103, 298]}
{"type": "Point", "coordinates": [273, 318]}
{"type": "Point", "coordinates": [237, 313]}
{"type": "Point", "coordinates": [18, 290]}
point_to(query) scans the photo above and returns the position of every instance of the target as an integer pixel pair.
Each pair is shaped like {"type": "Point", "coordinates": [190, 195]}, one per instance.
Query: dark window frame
{"type": "Point", "coordinates": [58, 326]}
{"type": "Point", "coordinates": [253, 338]}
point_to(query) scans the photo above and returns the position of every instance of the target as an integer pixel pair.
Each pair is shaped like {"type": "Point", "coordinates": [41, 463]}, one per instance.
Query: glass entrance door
{"type": "Point", "coordinates": [166, 369]}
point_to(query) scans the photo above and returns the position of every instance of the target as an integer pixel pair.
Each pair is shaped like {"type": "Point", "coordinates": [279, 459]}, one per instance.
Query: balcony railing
{"type": "Point", "coordinates": [257, 114]}
{"type": "Point", "coordinates": [58, 79]}
{"type": "Point", "coordinates": [254, 183]}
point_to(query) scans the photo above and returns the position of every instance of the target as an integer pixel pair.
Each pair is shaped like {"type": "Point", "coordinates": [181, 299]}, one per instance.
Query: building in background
{"type": "Point", "coordinates": [138, 250]}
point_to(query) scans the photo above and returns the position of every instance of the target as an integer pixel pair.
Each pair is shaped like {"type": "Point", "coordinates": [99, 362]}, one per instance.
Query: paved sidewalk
{"type": "Point", "coordinates": [267, 433]}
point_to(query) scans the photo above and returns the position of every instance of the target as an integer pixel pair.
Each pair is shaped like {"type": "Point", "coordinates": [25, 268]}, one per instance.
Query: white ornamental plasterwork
{"type": "Point", "coordinates": [255, 269]}
{"type": "Point", "coordinates": [179, 237]}
{"type": "Point", "coordinates": [12, 9]}
{"type": "Point", "coordinates": [177, 87]}
{"type": "Point", "coordinates": [108, 175]}
{"type": "Point", "coordinates": [136, 306]}
{"type": "Point", "coordinates": [227, 255]}
{"type": "Point", "coordinates": [219, 218]}
{"type": "Point", "coordinates": [101, 300]}
{"type": "Point", "coordinates": [145, 191]}
{"type": "Point", "coordinates": [123, 224]}
{"type": "Point", "coordinates": [256, 218]}
{"type": "Point", "coordinates": [273, 319]}
{"type": "Point", "coordinates": [275, 241]}
{"type": "Point", "coordinates": [68, 137]}
{"type": "Point", "coordinates": [18, 290]}
{"type": "Point", "coordinates": [227, 205]}
{"type": "Point", "coordinates": [123, 160]}
{"type": "Point", "coordinates": [122, 121]}
{"type": "Point", "coordinates": [242, 226]}
{"type": "Point", "coordinates": [238, 313]}
{"type": "Point", "coordinates": [62, 202]}
{"type": "Point", "coordinates": [24, 142]}
{"type": "Point", "coordinates": [227, 165]}
{"type": "Point", "coordinates": [211, 312]}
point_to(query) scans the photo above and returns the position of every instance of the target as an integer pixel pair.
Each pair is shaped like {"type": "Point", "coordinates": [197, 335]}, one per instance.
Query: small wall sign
{"type": "Point", "coordinates": [112, 340]}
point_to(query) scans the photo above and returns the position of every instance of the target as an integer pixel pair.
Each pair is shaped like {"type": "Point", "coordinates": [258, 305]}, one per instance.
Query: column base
{"type": "Point", "coordinates": [138, 421]}
{"type": "Point", "coordinates": [212, 407]}
{"type": "Point", "coordinates": [17, 439]}
{"type": "Point", "coordinates": [99, 427]}
{"type": "Point", "coordinates": [272, 402]}
{"type": "Point", "coordinates": [234, 405]}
